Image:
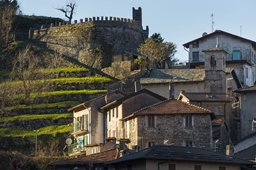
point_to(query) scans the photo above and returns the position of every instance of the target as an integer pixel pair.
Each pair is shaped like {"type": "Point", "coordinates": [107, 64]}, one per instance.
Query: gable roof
{"type": "Point", "coordinates": [161, 98]}
{"type": "Point", "coordinates": [97, 158]}
{"type": "Point", "coordinates": [94, 99]}
{"type": "Point", "coordinates": [220, 32]}
{"type": "Point", "coordinates": [174, 75]}
{"type": "Point", "coordinates": [181, 154]}
{"type": "Point", "coordinates": [170, 107]}
{"type": "Point", "coordinates": [205, 97]}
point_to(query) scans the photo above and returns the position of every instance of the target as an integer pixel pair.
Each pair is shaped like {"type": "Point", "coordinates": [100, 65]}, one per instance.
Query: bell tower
{"type": "Point", "coordinates": [215, 70]}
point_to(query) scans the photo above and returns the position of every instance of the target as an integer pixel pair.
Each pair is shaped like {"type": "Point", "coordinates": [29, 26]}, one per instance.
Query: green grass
{"type": "Point", "coordinates": [95, 79]}
{"type": "Point", "coordinates": [74, 92]}
{"type": "Point", "coordinates": [35, 117]}
{"type": "Point", "coordinates": [66, 70]}
{"type": "Point", "coordinates": [48, 130]}
{"type": "Point", "coordinates": [4, 72]}
{"type": "Point", "coordinates": [45, 105]}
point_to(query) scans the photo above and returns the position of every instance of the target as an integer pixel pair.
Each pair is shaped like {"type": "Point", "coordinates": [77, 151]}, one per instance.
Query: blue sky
{"type": "Point", "coordinates": [178, 21]}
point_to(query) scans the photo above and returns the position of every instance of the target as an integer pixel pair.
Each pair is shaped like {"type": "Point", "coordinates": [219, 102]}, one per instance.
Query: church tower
{"type": "Point", "coordinates": [215, 70]}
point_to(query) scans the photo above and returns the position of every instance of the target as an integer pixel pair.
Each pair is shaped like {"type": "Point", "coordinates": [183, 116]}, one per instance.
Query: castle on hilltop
{"type": "Point", "coordinates": [94, 41]}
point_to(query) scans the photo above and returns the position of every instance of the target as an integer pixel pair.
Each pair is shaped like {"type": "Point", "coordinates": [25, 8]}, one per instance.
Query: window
{"type": "Point", "coordinates": [189, 143]}
{"type": "Point", "coordinates": [195, 56]}
{"type": "Point", "coordinates": [236, 55]}
{"type": "Point", "coordinates": [244, 96]}
{"type": "Point", "coordinates": [197, 167]}
{"type": "Point", "coordinates": [199, 104]}
{"type": "Point", "coordinates": [253, 124]}
{"type": "Point", "coordinates": [172, 167]}
{"type": "Point", "coordinates": [151, 144]}
{"type": "Point", "coordinates": [188, 121]}
{"type": "Point", "coordinates": [246, 72]}
{"type": "Point", "coordinates": [116, 112]}
{"type": "Point", "coordinates": [222, 168]}
{"type": "Point", "coordinates": [113, 112]}
{"type": "Point", "coordinates": [109, 116]}
{"type": "Point", "coordinates": [151, 121]}
{"type": "Point", "coordinates": [195, 44]}
{"type": "Point", "coordinates": [213, 62]}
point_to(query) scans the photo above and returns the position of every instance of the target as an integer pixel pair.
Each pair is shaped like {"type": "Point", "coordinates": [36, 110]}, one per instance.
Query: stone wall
{"type": "Point", "coordinates": [94, 40]}
{"type": "Point", "coordinates": [170, 128]}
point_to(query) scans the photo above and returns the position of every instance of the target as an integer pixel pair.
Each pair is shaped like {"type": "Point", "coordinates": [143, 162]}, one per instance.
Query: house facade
{"type": "Point", "coordinates": [247, 110]}
{"type": "Point", "coordinates": [170, 122]}
{"type": "Point", "coordinates": [241, 53]}
{"type": "Point", "coordinates": [123, 107]}
{"type": "Point", "coordinates": [87, 133]}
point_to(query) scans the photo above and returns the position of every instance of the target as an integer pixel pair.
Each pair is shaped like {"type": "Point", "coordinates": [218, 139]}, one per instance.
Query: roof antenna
{"type": "Point", "coordinates": [240, 30]}
{"type": "Point", "coordinates": [212, 22]}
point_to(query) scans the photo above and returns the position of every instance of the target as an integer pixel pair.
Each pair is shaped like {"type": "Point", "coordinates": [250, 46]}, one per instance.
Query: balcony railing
{"type": "Point", "coordinates": [75, 149]}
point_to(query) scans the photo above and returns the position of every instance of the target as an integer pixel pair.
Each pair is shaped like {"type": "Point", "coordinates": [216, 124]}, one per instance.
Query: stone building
{"type": "Point", "coordinates": [170, 122]}
{"type": "Point", "coordinates": [93, 41]}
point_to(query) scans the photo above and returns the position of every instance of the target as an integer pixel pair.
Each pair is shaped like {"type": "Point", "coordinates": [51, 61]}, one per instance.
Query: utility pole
{"type": "Point", "coordinates": [36, 131]}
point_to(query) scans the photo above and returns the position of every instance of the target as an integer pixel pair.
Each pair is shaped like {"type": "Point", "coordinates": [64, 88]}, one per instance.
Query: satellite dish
{"type": "Point", "coordinates": [68, 141]}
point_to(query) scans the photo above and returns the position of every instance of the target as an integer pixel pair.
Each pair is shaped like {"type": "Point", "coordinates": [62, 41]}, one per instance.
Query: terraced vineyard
{"type": "Point", "coordinates": [71, 85]}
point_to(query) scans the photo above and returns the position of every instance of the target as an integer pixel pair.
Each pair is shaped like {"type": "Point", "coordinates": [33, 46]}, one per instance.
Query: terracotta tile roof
{"type": "Point", "coordinates": [206, 96]}
{"type": "Point", "coordinates": [174, 75]}
{"type": "Point", "coordinates": [97, 158]}
{"type": "Point", "coordinates": [217, 121]}
{"type": "Point", "coordinates": [171, 106]}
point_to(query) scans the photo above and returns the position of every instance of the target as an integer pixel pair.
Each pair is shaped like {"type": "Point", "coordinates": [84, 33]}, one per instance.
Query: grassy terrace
{"type": "Point", "coordinates": [67, 80]}
{"type": "Point", "coordinates": [49, 130]}
{"type": "Point", "coordinates": [45, 105]}
{"type": "Point", "coordinates": [36, 117]}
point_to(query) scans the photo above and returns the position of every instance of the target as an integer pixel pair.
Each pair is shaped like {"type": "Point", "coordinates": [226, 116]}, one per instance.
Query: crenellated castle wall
{"type": "Point", "coordinates": [92, 41]}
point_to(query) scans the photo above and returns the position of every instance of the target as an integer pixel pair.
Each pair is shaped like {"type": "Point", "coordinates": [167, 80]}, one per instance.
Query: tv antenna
{"type": "Point", "coordinates": [212, 23]}
{"type": "Point", "coordinates": [240, 30]}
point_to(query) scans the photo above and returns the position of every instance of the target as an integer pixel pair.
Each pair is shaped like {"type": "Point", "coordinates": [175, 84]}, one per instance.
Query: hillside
{"type": "Point", "coordinates": [71, 83]}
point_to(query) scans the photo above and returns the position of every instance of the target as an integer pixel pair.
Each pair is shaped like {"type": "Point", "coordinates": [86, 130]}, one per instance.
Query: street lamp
{"type": "Point", "coordinates": [36, 131]}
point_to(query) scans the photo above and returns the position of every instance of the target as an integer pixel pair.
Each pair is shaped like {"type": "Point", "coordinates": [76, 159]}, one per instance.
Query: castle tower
{"type": "Point", "coordinates": [215, 74]}
{"type": "Point", "coordinates": [137, 15]}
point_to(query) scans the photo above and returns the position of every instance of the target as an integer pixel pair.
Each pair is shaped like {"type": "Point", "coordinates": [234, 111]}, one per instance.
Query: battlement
{"type": "Point", "coordinates": [95, 20]}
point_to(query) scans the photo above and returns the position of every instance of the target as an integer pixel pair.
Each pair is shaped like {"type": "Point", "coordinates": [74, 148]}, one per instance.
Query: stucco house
{"type": "Point", "coordinates": [170, 122]}
{"type": "Point", "coordinates": [162, 157]}
{"type": "Point", "coordinates": [120, 108]}
{"type": "Point", "coordinates": [245, 104]}
{"type": "Point", "coordinates": [241, 53]}
{"type": "Point", "coordinates": [214, 78]}
{"type": "Point", "coordinates": [87, 134]}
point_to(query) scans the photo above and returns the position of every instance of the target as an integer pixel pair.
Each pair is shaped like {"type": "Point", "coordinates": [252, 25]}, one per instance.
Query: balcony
{"type": "Point", "coordinates": [123, 135]}
{"type": "Point", "coordinates": [75, 149]}
{"type": "Point", "coordinates": [78, 131]}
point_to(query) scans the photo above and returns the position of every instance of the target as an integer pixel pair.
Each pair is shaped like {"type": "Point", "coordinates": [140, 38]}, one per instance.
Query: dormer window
{"type": "Point", "coordinates": [195, 56]}
{"type": "Point", "coordinates": [195, 44]}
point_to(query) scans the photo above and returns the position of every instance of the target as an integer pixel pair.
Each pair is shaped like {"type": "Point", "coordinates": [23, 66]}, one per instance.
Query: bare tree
{"type": "Point", "coordinates": [29, 71]}
{"type": "Point", "coordinates": [6, 20]}
{"type": "Point", "coordinates": [69, 9]}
